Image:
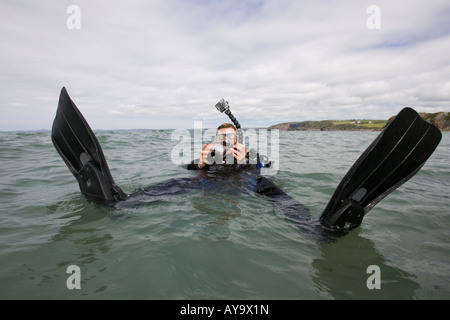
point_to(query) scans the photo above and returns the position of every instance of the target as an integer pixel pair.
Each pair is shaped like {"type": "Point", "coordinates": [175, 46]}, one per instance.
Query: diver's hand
{"type": "Point", "coordinates": [206, 149]}
{"type": "Point", "coordinates": [239, 153]}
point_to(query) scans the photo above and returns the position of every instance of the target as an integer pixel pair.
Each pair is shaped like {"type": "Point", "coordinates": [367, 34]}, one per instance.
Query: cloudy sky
{"type": "Point", "coordinates": [166, 63]}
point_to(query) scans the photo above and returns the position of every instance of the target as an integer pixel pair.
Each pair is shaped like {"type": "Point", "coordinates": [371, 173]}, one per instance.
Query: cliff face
{"type": "Point", "coordinates": [304, 126]}
{"type": "Point", "coordinates": [440, 119]}
{"type": "Point", "coordinates": [282, 126]}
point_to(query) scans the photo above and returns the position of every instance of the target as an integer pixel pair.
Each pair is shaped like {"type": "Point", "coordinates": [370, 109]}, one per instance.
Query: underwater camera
{"type": "Point", "coordinates": [219, 151]}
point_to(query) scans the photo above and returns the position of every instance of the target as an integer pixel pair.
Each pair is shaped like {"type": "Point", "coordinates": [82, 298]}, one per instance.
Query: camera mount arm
{"type": "Point", "coordinates": [223, 106]}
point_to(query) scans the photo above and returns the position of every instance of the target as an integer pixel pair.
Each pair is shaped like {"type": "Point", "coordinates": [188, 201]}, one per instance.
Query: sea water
{"type": "Point", "coordinates": [214, 243]}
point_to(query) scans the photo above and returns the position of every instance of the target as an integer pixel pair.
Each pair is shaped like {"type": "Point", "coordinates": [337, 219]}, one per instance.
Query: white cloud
{"type": "Point", "coordinates": [165, 63]}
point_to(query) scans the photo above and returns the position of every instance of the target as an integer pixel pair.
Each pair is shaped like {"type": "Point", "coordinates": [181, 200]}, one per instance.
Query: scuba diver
{"type": "Point", "coordinates": [395, 156]}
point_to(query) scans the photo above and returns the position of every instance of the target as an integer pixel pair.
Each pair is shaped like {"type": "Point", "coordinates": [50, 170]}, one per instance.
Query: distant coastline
{"type": "Point", "coordinates": [439, 119]}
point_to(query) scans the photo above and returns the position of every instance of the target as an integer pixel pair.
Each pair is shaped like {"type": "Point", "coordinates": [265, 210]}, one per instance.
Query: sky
{"type": "Point", "coordinates": [164, 64]}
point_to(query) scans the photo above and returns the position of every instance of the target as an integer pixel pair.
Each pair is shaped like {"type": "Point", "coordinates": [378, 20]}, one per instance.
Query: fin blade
{"type": "Point", "coordinates": [395, 156]}
{"type": "Point", "coordinates": [78, 146]}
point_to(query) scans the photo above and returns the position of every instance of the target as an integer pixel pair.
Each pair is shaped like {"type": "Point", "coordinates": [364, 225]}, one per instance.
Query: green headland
{"type": "Point", "coordinates": [439, 119]}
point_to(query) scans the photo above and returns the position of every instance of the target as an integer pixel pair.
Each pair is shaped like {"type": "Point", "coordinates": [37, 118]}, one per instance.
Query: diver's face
{"type": "Point", "coordinates": [226, 134]}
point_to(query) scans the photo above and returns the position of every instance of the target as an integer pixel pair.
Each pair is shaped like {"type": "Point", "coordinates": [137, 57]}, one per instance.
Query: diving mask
{"type": "Point", "coordinates": [226, 139]}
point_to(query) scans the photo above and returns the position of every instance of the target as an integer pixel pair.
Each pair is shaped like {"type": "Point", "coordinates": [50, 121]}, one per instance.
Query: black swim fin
{"type": "Point", "coordinates": [394, 157]}
{"type": "Point", "coordinates": [78, 146]}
